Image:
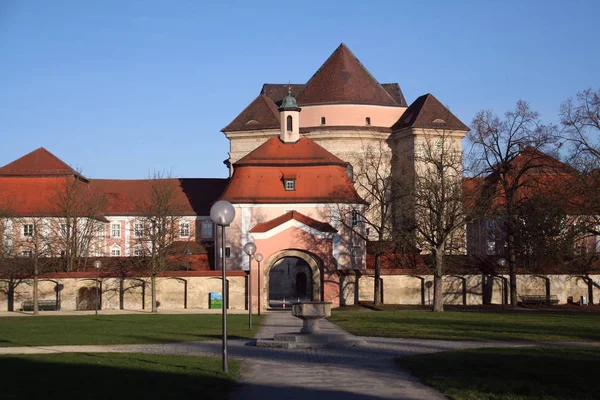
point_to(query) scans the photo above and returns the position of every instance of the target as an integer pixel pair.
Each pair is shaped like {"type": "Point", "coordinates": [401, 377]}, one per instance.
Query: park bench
{"type": "Point", "coordinates": [43, 305]}
{"type": "Point", "coordinates": [539, 300]}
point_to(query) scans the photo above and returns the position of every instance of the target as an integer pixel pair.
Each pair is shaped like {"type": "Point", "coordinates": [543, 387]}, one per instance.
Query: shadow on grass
{"type": "Point", "coordinates": [533, 373]}
{"type": "Point", "coordinates": [117, 376]}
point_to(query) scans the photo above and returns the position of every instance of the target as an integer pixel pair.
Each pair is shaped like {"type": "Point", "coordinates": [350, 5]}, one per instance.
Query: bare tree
{"type": "Point", "coordinates": [580, 119]}
{"type": "Point", "coordinates": [159, 214]}
{"type": "Point", "coordinates": [435, 212]}
{"type": "Point", "coordinates": [80, 222]}
{"type": "Point", "coordinates": [375, 183]}
{"type": "Point", "coordinates": [496, 146]}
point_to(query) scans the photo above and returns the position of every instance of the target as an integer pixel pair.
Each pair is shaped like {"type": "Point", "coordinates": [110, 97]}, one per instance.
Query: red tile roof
{"type": "Point", "coordinates": [342, 79]}
{"type": "Point", "coordinates": [35, 196]}
{"type": "Point", "coordinates": [277, 91]}
{"type": "Point", "coordinates": [313, 223]}
{"type": "Point", "coordinates": [262, 113]}
{"type": "Point", "coordinates": [39, 162]}
{"type": "Point", "coordinates": [320, 176]}
{"type": "Point", "coordinates": [427, 112]}
{"type": "Point", "coordinates": [303, 152]}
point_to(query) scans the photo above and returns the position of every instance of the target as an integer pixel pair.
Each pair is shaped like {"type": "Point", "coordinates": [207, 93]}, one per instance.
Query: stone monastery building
{"type": "Point", "coordinates": [293, 154]}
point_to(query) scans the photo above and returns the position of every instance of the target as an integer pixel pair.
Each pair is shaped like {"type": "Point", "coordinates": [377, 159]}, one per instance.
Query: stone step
{"type": "Point", "coordinates": [305, 341]}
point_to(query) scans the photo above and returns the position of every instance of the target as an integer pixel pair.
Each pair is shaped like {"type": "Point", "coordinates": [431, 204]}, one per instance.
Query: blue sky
{"type": "Point", "coordinates": [123, 88]}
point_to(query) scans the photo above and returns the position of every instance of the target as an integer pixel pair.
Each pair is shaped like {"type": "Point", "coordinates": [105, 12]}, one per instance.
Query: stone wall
{"type": "Point", "coordinates": [177, 292]}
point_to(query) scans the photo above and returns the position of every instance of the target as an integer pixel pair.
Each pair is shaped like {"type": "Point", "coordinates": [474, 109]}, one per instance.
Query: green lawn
{"type": "Point", "coordinates": [120, 329]}
{"type": "Point", "coordinates": [515, 374]}
{"type": "Point", "coordinates": [530, 325]}
{"type": "Point", "coordinates": [78, 376]}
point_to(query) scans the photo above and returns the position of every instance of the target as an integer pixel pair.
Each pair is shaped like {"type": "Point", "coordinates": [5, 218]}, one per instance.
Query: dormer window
{"type": "Point", "coordinates": [289, 184]}
{"type": "Point", "coordinates": [323, 121]}
{"type": "Point", "coordinates": [290, 123]}
{"type": "Point", "coordinates": [368, 121]}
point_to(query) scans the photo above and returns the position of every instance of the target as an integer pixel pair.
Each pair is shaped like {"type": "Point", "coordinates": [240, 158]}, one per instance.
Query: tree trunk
{"type": "Point", "coordinates": [36, 308]}
{"type": "Point", "coordinates": [121, 293]}
{"type": "Point", "coordinates": [377, 286]}
{"type": "Point", "coordinates": [512, 269]}
{"type": "Point", "coordinates": [11, 295]}
{"type": "Point", "coordinates": [438, 281]}
{"type": "Point", "coordinates": [153, 291]}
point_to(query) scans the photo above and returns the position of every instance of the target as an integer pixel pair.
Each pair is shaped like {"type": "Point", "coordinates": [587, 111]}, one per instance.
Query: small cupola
{"type": "Point", "coordinates": [289, 115]}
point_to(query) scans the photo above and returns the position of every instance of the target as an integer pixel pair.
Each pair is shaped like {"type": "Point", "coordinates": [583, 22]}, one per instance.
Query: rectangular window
{"type": "Point", "coordinates": [64, 229]}
{"type": "Point", "coordinates": [356, 218]}
{"type": "Point", "coordinates": [290, 184]}
{"type": "Point", "coordinates": [27, 253]}
{"type": "Point", "coordinates": [138, 252]}
{"type": "Point", "coordinates": [184, 229]}
{"type": "Point", "coordinates": [207, 228]}
{"type": "Point", "coordinates": [115, 230]}
{"type": "Point", "coordinates": [227, 252]}
{"type": "Point", "coordinates": [115, 252]}
{"type": "Point", "coordinates": [63, 253]}
{"type": "Point", "coordinates": [138, 229]}
{"type": "Point", "coordinates": [28, 230]}
{"type": "Point", "coordinates": [356, 254]}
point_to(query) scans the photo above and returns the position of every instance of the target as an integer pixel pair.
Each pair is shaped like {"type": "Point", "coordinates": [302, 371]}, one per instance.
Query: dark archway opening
{"type": "Point", "coordinates": [290, 280]}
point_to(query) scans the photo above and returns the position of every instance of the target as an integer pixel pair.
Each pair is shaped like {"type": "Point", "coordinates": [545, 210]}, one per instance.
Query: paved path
{"type": "Point", "coordinates": [362, 373]}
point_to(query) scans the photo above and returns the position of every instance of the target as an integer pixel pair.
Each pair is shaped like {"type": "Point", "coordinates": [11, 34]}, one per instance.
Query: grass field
{"type": "Point", "coordinates": [120, 329]}
{"type": "Point", "coordinates": [510, 374]}
{"type": "Point", "coordinates": [463, 325]}
{"type": "Point", "coordinates": [71, 376]}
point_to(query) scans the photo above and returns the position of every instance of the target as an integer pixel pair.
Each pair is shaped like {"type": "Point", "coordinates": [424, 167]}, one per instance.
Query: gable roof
{"type": "Point", "coordinates": [303, 152]}
{"type": "Point", "coordinates": [427, 112]}
{"type": "Point", "coordinates": [293, 215]}
{"type": "Point", "coordinates": [39, 162]}
{"type": "Point", "coordinates": [342, 79]}
{"type": "Point", "coordinates": [261, 113]}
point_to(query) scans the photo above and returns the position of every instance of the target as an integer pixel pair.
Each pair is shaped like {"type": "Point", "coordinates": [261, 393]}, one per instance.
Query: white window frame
{"type": "Point", "coordinates": [207, 228]}
{"type": "Point", "coordinates": [289, 184]}
{"type": "Point", "coordinates": [28, 230]}
{"type": "Point", "coordinates": [138, 251]}
{"type": "Point", "coordinates": [115, 251]}
{"type": "Point", "coordinates": [355, 218]}
{"type": "Point", "coordinates": [184, 229]}
{"type": "Point", "coordinates": [63, 229]}
{"type": "Point", "coordinates": [115, 233]}
{"type": "Point", "coordinates": [27, 253]}
{"type": "Point", "coordinates": [138, 229]}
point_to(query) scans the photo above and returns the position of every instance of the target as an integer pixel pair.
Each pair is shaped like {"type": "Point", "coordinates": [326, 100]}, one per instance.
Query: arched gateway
{"type": "Point", "coordinates": [292, 275]}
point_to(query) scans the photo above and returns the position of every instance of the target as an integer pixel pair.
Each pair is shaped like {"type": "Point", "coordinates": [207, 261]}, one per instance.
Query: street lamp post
{"type": "Point", "coordinates": [222, 214]}
{"type": "Point", "coordinates": [250, 249]}
{"type": "Point", "coordinates": [502, 263]}
{"type": "Point", "coordinates": [258, 257]}
{"type": "Point", "coordinates": [97, 265]}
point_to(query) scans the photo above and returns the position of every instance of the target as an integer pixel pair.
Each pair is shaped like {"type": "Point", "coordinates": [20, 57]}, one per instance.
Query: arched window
{"type": "Point", "coordinates": [368, 121]}
{"type": "Point", "coordinates": [290, 124]}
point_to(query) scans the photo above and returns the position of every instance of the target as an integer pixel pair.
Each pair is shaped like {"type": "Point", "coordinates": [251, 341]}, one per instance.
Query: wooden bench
{"type": "Point", "coordinates": [43, 305]}
{"type": "Point", "coordinates": [539, 299]}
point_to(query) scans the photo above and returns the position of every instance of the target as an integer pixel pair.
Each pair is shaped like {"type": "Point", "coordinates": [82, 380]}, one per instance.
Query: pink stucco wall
{"type": "Point", "coordinates": [350, 115]}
